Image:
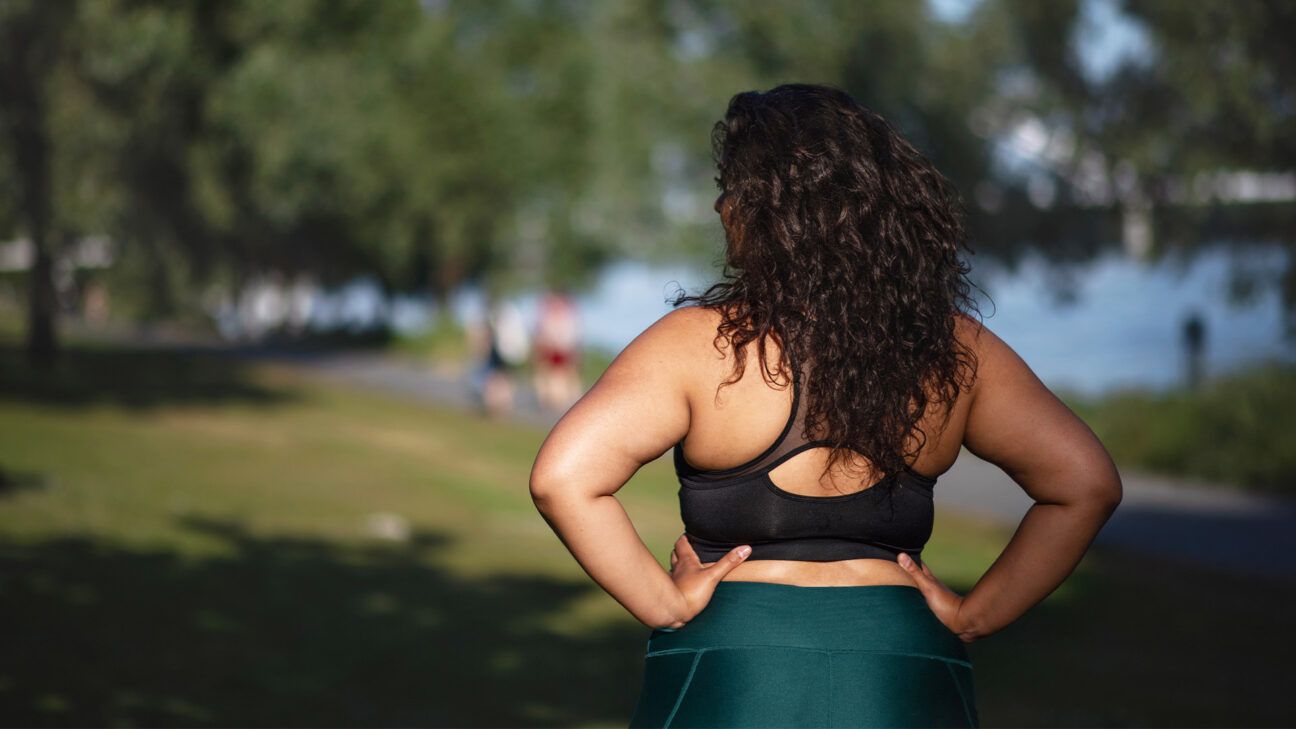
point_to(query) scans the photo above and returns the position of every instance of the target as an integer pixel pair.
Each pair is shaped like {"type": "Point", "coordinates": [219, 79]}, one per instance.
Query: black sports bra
{"type": "Point", "coordinates": [741, 505]}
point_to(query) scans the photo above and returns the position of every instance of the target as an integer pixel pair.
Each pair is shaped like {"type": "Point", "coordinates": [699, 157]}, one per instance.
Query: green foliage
{"type": "Point", "coordinates": [1235, 431]}
{"type": "Point", "coordinates": [1215, 88]}
{"type": "Point", "coordinates": [432, 143]}
{"type": "Point", "coordinates": [1219, 89]}
{"type": "Point", "coordinates": [445, 340]}
{"type": "Point", "coordinates": [527, 143]}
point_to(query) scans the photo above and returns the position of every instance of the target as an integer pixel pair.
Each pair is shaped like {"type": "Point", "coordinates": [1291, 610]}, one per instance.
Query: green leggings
{"type": "Point", "coordinates": [763, 654]}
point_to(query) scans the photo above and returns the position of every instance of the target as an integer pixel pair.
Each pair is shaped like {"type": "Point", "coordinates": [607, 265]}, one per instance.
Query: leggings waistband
{"type": "Point", "coordinates": [872, 618]}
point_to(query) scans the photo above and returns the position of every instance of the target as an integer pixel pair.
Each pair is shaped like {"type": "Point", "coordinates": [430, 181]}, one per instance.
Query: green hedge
{"type": "Point", "coordinates": [1237, 429]}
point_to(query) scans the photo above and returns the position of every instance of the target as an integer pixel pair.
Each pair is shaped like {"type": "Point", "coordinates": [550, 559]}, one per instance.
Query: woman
{"type": "Point", "coordinates": [812, 399]}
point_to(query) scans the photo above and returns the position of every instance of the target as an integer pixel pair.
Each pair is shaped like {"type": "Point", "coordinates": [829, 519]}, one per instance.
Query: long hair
{"type": "Point", "coordinates": [842, 241]}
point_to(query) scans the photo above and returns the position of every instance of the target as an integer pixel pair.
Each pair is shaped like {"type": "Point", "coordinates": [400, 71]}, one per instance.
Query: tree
{"type": "Point", "coordinates": [33, 35]}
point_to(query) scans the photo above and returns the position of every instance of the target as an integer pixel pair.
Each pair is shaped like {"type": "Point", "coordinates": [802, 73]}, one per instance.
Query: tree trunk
{"type": "Point", "coordinates": [42, 339]}
{"type": "Point", "coordinates": [31, 137]}
{"type": "Point", "coordinates": [30, 42]}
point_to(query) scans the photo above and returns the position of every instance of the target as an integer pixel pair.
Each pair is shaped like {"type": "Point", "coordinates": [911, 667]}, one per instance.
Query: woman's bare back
{"type": "Point", "coordinates": [737, 424]}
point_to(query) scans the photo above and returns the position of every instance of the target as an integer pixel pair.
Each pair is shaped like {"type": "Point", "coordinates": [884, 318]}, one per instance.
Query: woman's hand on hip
{"type": "Point", "coordinates": [943, 601]}
{"type": "Point", "coordinates": [697, 582]}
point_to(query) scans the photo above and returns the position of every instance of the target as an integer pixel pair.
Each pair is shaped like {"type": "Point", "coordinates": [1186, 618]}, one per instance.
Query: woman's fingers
{"type": "Point", "coordinates": [685, 550]}
{"type": "Point", "coordinates": [904, 560]}
{"type": "Point", "coordinates": [943, 601]}
{"type": "Point", "coordinates": [726, 563]}
{"type": "Point", "coordinates": [927, 582]}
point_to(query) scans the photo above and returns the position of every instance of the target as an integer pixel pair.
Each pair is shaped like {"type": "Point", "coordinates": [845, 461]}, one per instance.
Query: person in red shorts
{"type": "Point", "coordinates": [557, 352]}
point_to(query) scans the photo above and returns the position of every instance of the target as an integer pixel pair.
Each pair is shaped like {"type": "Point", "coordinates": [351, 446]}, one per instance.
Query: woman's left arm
{"type": "Point", "coordinates": [636, 411]}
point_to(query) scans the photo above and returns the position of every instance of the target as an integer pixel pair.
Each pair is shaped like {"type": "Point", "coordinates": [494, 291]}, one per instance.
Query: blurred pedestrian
{"type": "Point", "coordinates": [557, 352]}
{"type": "Point", "coordinates": [507, 348]}
{"type": "Point", "coordinates": [1194, 343]}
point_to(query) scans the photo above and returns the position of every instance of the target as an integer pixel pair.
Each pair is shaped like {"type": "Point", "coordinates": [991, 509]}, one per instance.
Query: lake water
{"type": "Point", "coordinates": [1114, 322]}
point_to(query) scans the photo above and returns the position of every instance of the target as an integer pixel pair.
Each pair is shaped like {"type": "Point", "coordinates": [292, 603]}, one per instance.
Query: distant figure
{"type": "Point", "coordinates": [94, 302]}
{"type": "Point", "coordinates": [507, 347]}
{"type": "Point", "coordinates": [1194, 341]}
{"type": "Point", "coordinates": [557, 352]}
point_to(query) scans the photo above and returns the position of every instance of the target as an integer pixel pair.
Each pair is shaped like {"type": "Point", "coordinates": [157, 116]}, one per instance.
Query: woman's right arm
{"type": "Point", "coordinates": [1018, 424]}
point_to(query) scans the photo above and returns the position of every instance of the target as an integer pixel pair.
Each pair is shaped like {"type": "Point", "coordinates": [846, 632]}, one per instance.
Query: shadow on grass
{"type": "Point", "coordinates": [290, 631]}
{"type": "Point", "coordinates": [134, 377]}
{"type": "Point", "coordinates": [15, 482]}
{"type": "Point", "coordinates": [1143, 641]}
{"type": "Point", "coordinates": [296, 632]}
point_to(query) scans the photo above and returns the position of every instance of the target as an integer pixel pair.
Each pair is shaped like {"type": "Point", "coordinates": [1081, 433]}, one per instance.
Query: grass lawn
{"type": "Point", "coordinates": [196, 542]}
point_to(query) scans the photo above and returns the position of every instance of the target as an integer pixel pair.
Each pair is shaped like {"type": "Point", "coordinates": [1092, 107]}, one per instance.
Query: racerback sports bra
{"type": "Point", "coordinates": [722, 509]}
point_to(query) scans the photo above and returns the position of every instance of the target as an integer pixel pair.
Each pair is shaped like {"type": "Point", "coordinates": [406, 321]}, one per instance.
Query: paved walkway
{"type": "Point", "coordinates": [1174, 519]}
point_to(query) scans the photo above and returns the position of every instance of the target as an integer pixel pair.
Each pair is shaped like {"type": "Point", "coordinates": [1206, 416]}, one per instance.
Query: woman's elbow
{"type": "Point", "coordinates": [1109, 496]}
{"type": "Point", "coordinates": [550, 489]}
{"type": "Point", "coordinates": [1106, 490]}
{"type": "Point", "coordinates": [1093, 487]}
{"type": "Point", "coordinates": [544, 488]}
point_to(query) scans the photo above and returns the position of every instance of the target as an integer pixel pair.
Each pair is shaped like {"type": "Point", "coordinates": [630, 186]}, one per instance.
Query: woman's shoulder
{"type": "Point", "coordinates": [969, 331]}
{"type": "Point", "coordinates": [991, 352]}
{"type": "Point", "coordinates": [683, 328]}
{"type": "Point", "coordinates": [681, 342]}
{"type": "Point", "coordinates": [674, 334]}
{"type": "Point", "coordinates": [694, 315]}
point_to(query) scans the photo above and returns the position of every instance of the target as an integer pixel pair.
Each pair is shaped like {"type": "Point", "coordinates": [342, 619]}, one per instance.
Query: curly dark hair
{"type": "Point", "coordinates": [842, 242]}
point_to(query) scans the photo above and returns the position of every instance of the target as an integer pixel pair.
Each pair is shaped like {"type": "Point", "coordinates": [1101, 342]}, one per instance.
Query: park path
{"type": "Point", "coordinates": [1170, 518]}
